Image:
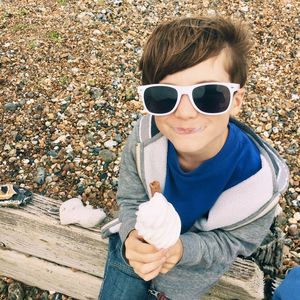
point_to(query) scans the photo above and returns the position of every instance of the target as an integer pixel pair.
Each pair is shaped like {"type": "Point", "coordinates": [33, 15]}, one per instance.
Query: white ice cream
{"type": "Point", "coordinates": [158, 222]}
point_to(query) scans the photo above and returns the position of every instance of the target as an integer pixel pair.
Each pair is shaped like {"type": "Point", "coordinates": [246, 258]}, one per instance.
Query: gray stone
{"type": "Point", "coordinates": [118, 138]}
{"type": "Point", "coordinates": [52, 153]}
{"type": "Point", "coordinates": [107, 155]}
{"type": "Point", "coordinates": [292, 149]}
{"type": "Point", "coordinates": [10, 106]}
{"type": "Point", "coordinates": [40, 175]}
{"type": "Point", "coordinates": [96, 93]}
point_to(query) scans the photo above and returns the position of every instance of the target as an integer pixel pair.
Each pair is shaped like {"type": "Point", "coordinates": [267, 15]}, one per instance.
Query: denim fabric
{"type": "Point", "coordinates": [289, 289]}
{"type": "Point", "coordinates": [120, 281]}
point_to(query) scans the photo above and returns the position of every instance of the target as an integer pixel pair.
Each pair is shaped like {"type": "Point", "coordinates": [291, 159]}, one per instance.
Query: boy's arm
{"type": "Point", "coordinates": [131, 192]}
{"type": "Point", "coordinates": [207, 247]}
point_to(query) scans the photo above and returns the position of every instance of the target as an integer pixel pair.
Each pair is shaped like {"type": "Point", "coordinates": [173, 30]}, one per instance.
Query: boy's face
{"type": "Point", "coordinates": [194, 135]}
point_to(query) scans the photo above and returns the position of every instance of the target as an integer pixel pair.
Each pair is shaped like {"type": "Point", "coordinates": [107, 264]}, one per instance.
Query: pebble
{"type": "Point", "coordinates": [53, 153]}
{"type": "Point", "coordinates": [268, 126]}
{"type": "Point", "coordinates": [118, 138]}
{"type": "Point", "coordinates": [107, 155]}
{"type": "Point", "coordinates": [69, 149]}
{"type": "Point", "coordinates": [292, 149]}
{"type": "Point", "coordinates": [96, 32]}
{"type": "Point", "coordinates": [40, 176]}
{"type": "Point", "coordinates": [296, 203]}
{"type": "Point", "coordinates": [85, 15]}
{"type": "Point", "coordinates": [293, 230]}
{"type": "Point", "coordinates": [244, 9]}
{"type": "Point", "coordinates": [80, 188]}
{"type": "Point", "coordinates": [10, 106]}
{"type": "Point", "coordinates": [82, 123]}
{"type": "Point", "coordinates": [259, 129]}
{"type": "Point", "coordinates": [292, 221]}
{"type": "Point", "coordinates": [44, 295]}
{"type": "Point", "coordinates": [275, 129]}
{"type": "Point", "coordinates": [297, 216]}
{"type": "Point", "coordinates": [110, 144]}
{"type": "Point", "coordinates": [96, 93]}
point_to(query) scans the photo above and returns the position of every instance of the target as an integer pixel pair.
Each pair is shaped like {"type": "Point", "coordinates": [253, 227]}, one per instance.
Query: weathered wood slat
{"type": "Point", "coordinates": [42, 236]}
{"type": "Point", "coordinates": [49, 276]}
{"type": "Point", "coordinates": [38, 251]}
{"type": "Point", "coordinates": [244, 281]}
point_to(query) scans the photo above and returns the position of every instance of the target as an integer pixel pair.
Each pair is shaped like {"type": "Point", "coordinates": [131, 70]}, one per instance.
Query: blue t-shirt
{"type": "Point", "coordinates": [194, 193]}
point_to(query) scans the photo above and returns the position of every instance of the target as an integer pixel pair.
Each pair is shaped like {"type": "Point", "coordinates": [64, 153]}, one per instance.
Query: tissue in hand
{"type": "Point", "coordinates": [158, 222]}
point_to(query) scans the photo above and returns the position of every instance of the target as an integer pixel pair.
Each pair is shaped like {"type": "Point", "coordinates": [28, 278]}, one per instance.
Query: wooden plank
{"type": "Point", "coordinates": [35, 231]}
{"type": "Point", "coordinates": [49, 276]}
{"type": "Point", "coordinates": [243, 281]}
{"type": "Point", "coordinates": [42, 236]}
{"type": "Point", "coordinates": [61, 279]}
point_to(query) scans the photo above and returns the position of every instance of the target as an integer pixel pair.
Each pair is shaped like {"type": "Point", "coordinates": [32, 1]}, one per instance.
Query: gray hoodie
{"type": "Point", "coordinates": [235, 226]}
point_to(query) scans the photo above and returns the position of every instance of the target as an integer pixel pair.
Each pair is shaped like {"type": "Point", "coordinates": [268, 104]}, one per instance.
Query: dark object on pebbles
{"type": "Point", "coordinates": [56, 296]}
{"type": "Point", "coordinates": [44, 296]}
{"type": "Point", "coordinates": [271, 284]}
{"type": "Point", "coordinates": [12, 196]}
{"type": "Point", "coordinates": [269, 256]}
{"type": "Point", "coordinates": [3, 287]}
{"type": "Point", "coordinates": [15, 291]}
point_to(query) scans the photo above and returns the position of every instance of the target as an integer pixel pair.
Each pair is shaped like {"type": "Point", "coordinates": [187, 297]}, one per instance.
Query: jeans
{"type": "Point", "coordinates": [120, 281]}
{"type": "Point", "coordinates": [289, 289]}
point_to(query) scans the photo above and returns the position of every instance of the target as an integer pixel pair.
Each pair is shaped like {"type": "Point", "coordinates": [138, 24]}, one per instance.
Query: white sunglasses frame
{"type": "Point", "coordinates": [188, 90]}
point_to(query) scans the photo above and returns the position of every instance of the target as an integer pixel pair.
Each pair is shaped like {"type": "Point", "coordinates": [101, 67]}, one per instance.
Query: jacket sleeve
{"type": "Point", "coordinates": [131, 192]}
{"type": "Point", "coordinates": [205, 248]}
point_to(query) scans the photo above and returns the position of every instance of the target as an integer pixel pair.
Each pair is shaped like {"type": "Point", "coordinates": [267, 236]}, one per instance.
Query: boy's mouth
{"type": "Point", "coordinates": [181, 130]}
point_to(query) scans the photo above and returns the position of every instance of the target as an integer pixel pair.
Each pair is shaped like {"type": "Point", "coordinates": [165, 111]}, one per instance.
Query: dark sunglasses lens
{"type": "Point", "coordinates": [212, 98]}
{"type": "Point", "coordinates": [160, 99]}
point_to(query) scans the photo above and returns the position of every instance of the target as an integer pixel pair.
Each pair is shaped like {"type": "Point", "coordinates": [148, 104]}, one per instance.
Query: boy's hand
{"type": "Point", "coordinates": [174, 255]}
{"type": "Point", "coordinates": [144, 258]}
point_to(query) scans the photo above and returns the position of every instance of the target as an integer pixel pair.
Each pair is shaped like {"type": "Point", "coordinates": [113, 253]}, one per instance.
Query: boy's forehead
{"type": "Point", "coordinates": [211, 70]}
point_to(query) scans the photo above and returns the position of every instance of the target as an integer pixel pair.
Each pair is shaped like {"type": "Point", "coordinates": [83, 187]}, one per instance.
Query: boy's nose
{"type": "Point", "coordinates": [185, 109]}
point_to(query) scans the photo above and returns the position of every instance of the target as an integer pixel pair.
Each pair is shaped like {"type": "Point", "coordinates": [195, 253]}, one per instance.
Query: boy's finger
{"type": "Point", "coordinates": [150, 275]}
{"type": "Point", "coordinates": [143, 257]}
{"type": "Point", "coordinates": [135, 242]}
{"type": "Point", "coordinates": [147, 271]}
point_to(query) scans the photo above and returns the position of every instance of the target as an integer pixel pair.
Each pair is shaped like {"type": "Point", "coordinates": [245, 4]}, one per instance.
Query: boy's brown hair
{"type": "Point", "coordinates": [184, 42]}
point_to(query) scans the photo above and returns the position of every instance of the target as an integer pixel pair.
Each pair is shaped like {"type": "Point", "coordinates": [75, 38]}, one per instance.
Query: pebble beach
{"type": "Point", "coordinates": [68, 96]}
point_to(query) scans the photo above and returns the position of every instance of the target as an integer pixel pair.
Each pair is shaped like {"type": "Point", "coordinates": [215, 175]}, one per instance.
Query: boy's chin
{"type": "Point", "coordinates": [192, 148]}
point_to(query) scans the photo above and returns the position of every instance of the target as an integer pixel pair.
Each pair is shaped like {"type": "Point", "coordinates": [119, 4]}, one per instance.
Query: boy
{"type": "Point", "coordinates": [222, 179]}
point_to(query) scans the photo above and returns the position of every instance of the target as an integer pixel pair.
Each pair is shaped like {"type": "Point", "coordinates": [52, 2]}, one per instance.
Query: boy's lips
{"type": "Point", "coordinates": [183, 131]}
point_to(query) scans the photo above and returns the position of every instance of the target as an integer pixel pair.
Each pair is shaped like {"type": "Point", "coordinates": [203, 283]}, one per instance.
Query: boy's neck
{"type": "Point", "coordinates": [191, 161]}
{"type": "Point", "coordinates": [188, 163]}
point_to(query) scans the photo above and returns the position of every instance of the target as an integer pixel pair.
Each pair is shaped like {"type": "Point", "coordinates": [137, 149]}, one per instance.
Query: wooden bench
{"type": "Point", "coordinates": [37, 250]}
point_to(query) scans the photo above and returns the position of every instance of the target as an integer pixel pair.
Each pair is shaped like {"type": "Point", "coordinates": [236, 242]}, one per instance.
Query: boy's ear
{"type": "Point", "coordinates": [237, 102]}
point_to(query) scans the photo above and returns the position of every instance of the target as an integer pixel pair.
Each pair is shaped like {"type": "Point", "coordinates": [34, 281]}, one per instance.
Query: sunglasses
{"type": "Point", "coordinates": [207, 98]}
